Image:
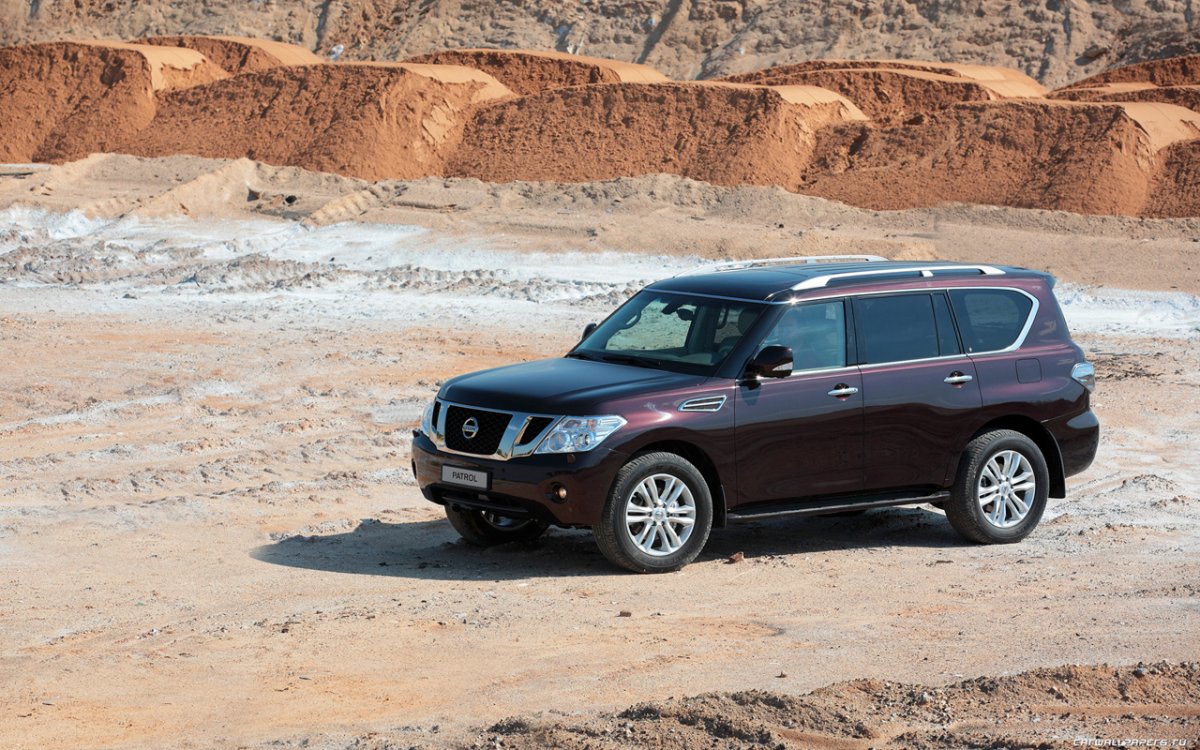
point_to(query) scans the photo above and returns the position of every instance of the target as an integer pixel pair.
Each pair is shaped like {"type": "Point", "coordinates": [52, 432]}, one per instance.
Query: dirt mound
{"type": "Point", "coordinates": [1087, 158]}
{"type": "Point", "coordinates": [1072, 701]}
{"type": "Point", "coordinates": [888, 95]}
{"type": "Point", "coordinates": [722, 133]}
{"type": "Point", "coordinates": [1000, 82]}
{"type": "Point", "coordinates": [366, 120]}
{"type": "Point", "coordinates": [239, 54]}
{"type": "Point", "coordinates": [64, 100]}
{"type": "Point", "coordinates": [1172, 71]}
{"type": "Point", "coordinates": [1183, 96]}
{"type": "Point", "coordinates": [530, 71]}
{"type": "Point", "coordinates": [1176, 191]}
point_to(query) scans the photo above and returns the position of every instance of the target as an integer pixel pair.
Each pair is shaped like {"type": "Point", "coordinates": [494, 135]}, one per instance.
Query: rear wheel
{"type": "Point", "coordinates": [658, 515]}
{"type": "Point", "coordinates": [1001, 489]}
{"type": "Point", "coordinates": [484, 529]}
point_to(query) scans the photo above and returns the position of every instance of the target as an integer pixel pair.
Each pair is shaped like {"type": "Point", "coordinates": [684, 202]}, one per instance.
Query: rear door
{"type": "Point", "coordinates": [802, 436]}
{"type": "Point", "coordinates": [920, 392]}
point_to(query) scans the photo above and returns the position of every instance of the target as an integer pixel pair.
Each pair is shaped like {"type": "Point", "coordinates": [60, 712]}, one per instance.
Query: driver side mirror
{"type": "Point", "coordinates": [772, 362]}
{"type": "Point", "coordinates": [589, 329]}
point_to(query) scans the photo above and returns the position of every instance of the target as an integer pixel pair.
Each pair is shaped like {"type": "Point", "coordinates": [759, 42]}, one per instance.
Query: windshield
{"type": "Point", "coordinates": [676, 332]}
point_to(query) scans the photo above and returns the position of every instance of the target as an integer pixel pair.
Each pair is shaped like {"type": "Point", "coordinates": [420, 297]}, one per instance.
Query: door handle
{"type": "Point", "coordinates": [841, 390]}
{"type": "Point", "coordinates": [958, 378]}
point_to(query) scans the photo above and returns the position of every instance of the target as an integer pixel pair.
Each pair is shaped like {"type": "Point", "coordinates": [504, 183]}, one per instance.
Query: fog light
{"type": "Point", "coordinates": [559, 493]}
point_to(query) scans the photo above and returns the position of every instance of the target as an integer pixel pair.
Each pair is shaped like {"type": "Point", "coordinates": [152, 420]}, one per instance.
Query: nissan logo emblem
{"type": "Point", "coordinates": [470, 428]}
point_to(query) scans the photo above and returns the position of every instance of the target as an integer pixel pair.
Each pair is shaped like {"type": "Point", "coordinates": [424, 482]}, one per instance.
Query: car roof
{"type": "Point", "coordinates": [771, 282]}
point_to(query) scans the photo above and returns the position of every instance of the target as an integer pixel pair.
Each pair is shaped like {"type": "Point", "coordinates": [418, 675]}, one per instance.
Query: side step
{"type": "Point", "coordinates": [820, 507]}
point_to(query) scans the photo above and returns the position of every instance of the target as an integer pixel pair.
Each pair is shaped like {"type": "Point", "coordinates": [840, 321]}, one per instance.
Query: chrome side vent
{"type": "Point", "coordinates": [703, 403]}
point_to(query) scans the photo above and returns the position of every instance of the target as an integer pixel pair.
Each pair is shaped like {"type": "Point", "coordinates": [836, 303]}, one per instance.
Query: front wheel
{"type": "Point", "coordinates": [658, 515]}
{"type": "Point", "coordinates": [484, 529]}
{"type": "Point", "coordinates": [1001, 489]}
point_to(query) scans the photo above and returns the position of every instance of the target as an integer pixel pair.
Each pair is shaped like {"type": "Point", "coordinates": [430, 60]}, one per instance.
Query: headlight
{"type": "Point", "coordinates": [579, 434]}
{"type": "Point", "coordinates": [427, 420]}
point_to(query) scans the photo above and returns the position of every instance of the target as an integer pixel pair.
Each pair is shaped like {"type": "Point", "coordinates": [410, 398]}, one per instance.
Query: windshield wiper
{"type": "Point", "coordinates": [629, 359]}
{"type": "Point", "coordinates": [580, 355]}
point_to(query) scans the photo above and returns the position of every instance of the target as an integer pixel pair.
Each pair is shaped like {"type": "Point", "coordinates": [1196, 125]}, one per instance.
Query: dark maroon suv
{"type": "Point", "coordinates": [770, 388]}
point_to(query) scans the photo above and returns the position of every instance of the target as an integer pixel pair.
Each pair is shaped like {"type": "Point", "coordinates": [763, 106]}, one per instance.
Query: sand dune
{"type": "Point", "coordinates": [361, 119]}
{"type": "Point", "coordinates": [1170, 71]}
{"type": "Point", "coordinates": [531, 71]}
{"type": "Point", "coordinates": [887, 95]}
{"type": "Point", "coordinates": [726, 134]}
{"type": "Point", "coordinates": [883, 134]}
{"type": "Point", "coordinates": [239, 54]}
{"type": "Point", "coordinates": [1002, 82]}
{"type": "Point", "coordinates": [62, 101]}
{"type": "Point", "coordinates": [1081, 157]}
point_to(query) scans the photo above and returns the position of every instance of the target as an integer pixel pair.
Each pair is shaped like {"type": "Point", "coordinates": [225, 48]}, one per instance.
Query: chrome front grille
{"type": "Point", "coordinates": [498, 435]}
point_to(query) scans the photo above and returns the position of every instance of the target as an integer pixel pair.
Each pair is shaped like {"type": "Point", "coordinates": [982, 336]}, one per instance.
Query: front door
{"type": "Point", "coordinates": [802, 436]}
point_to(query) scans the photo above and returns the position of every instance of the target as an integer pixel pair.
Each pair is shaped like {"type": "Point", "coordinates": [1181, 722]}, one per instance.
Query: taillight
{"type": "Point", "coordinates": [1085, 374]}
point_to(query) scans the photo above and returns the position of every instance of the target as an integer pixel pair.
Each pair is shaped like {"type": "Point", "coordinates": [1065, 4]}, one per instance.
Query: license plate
{"type": "Point", "coordinates": [465, 477]}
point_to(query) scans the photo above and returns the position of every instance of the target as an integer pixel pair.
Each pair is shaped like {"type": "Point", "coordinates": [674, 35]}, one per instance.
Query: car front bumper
{"type": "Point", "coordinates": [522, 487]}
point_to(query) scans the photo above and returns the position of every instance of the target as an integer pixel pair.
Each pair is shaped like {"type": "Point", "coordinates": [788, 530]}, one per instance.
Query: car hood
{"type": "Point", "coordinates": [560, 386]}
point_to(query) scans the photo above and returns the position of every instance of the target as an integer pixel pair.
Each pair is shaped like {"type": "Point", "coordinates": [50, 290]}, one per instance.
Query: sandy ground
{"type": "Point", "coordinates": [209, 535]}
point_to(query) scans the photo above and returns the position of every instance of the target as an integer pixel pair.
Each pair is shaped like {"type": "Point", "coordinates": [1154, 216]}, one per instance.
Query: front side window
{"type": "Point", "coordinates": [816, 334]}
{"type": "Point", "coordinates": [677, 332]}
{"type": "Point", "coordinates": [990, 319]}
{"type": "Point", "coordinates": [896, 328]}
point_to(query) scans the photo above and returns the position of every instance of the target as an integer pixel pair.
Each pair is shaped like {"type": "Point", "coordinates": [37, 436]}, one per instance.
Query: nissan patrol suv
{"type": "Point", "coordinates": [794, 386]}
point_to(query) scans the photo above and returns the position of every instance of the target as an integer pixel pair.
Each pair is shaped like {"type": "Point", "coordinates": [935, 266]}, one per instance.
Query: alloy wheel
{"type": "Point", "coordinates": [1006, 489]}
{"type": "Point", "coordinates": [660, 514]}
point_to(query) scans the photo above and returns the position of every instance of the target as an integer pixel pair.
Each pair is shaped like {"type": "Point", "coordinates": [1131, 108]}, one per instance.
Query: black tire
{"type": "Point", "coordinates": [614, 535]}
{"type": "Point", "coordinates": [487, 529]}
{"type": "Point", "coordinates": [964, 510]}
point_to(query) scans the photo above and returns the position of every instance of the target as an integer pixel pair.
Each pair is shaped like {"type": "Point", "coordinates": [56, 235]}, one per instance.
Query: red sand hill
{"type": "Point", "coordinates": [239, 54]}
{"type": "Point", "coordinates": [65, 100]}
{"type": "Point", "coordinates": [1087, 158]}
{"type": "Point", "coordinates": [1171, 71]}
{"type": "Point", "coordinates": [528, 72]}
{"type": "Point", "coordinates": [932, 132]}
{"type": "Point", "coordinates": [725, 134]}
{"type": "Point", "coordinates": [366, 120]}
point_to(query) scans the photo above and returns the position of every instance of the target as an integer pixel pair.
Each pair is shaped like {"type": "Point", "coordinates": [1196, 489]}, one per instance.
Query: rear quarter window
{"type": "Point", "coordinates": [990, 319]}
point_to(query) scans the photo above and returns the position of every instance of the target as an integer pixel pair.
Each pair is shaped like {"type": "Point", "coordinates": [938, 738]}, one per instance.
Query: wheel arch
{"type": "Point", "coordinates": [700, 459]}
{"type": "Point", "coordinates": [1045, 442]}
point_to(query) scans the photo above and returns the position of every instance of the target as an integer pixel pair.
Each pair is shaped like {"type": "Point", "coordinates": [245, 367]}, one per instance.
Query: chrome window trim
{"type": "Point", "coordinates": [820, 371]}
{"type": "Point", "coordinates": [1020, 340]}
{"type": "Point", "coordinates": [508, 447]}
{"type": "Point", "coordinates": [1033, 311]}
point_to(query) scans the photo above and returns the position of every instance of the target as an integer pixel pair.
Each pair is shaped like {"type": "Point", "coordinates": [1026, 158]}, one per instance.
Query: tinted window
{"type": "Point", "coordinates": [896, 328]}
{"type": "Point", "coordinates": [947, 337]}
{"type": "Point", "coordinates": [990, 319]}
{"type": "Point", "coordinates": [816, 334]}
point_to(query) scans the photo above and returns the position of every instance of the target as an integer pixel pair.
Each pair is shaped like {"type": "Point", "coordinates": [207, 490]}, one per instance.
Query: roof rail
{"type": "Point", "coordinates": [817, 282]}
{"type": "Point", "coordinates": [737, 265]}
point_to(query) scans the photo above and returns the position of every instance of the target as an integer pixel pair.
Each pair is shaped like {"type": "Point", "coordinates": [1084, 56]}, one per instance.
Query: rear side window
{"type": "Point", "coordinates": [896, 328]}
{"type": "Point", "coordinates": [990, 319]}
